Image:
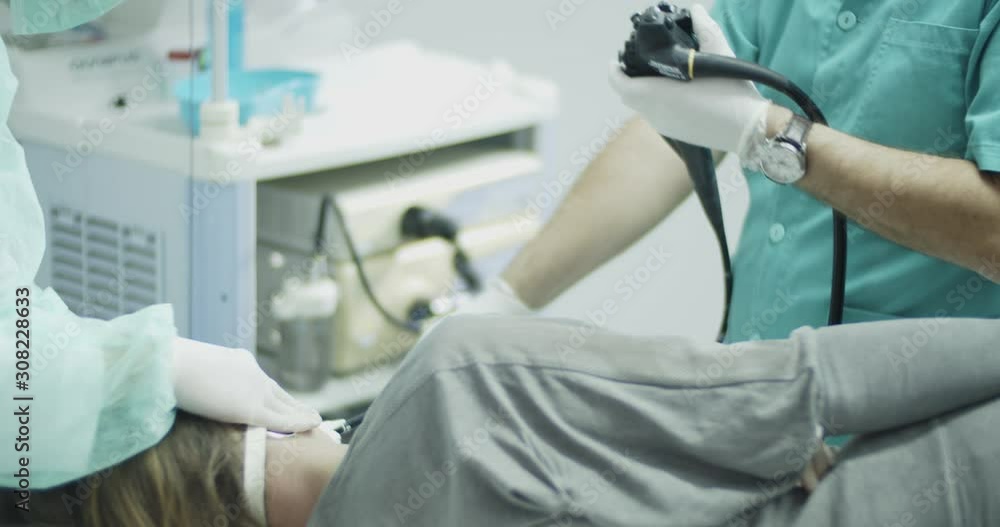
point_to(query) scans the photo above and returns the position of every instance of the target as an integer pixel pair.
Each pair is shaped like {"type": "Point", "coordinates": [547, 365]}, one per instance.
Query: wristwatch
{"type": "Point", "coordinates": [783, 158]}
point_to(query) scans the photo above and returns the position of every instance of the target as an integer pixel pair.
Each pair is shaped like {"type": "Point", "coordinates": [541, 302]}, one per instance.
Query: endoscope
{"type": "Point", "coordinates": [664, 44]}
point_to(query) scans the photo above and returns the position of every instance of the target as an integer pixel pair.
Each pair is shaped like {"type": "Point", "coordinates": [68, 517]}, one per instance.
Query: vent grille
{"type": "Point", "coordinates": [101, 268]}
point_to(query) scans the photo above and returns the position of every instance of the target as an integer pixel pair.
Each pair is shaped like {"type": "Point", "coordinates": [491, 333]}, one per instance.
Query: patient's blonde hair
{"type": "Point", "coordinates": [193, 478]}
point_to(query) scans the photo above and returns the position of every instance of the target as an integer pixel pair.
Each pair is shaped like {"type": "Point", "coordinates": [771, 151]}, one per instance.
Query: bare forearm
{"type": "Point", "coordinates": [631, 186]}
{"type": "Point", "coordinates": [939, 206]}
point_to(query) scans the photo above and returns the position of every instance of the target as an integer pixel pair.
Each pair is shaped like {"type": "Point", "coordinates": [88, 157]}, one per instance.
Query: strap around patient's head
{"type": "Point", "coordinates": [254, 472]}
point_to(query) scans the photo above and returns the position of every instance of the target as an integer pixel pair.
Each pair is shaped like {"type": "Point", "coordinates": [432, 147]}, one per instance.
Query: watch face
{"type": "Point", "coordinates": [782, 163]}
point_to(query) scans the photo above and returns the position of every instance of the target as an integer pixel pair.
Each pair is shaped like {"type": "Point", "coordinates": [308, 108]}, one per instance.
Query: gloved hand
{"type": "Point", "coordinates": [227, 385]}
{"type": "Point", "coordinates": [498, 297]}
{"type": "Point", "coordinates": [720, 114]}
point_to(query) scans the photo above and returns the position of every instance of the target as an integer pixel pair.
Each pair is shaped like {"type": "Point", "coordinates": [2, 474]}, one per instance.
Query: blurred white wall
{"type": "Point", "coordinates": [571, 43]}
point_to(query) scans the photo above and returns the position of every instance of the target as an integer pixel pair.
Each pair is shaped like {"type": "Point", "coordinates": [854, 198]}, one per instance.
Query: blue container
{"type": "Point", "coordinates": [258, 92]}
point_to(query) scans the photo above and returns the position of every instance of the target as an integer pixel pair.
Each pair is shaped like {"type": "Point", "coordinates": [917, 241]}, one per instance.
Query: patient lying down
{"type": "Point", "coordinates": [514, 421]}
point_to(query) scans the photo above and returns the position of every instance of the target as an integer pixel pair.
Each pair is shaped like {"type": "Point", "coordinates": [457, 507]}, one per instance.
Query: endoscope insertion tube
{"type": "Point", "coordinates": [709, 65]}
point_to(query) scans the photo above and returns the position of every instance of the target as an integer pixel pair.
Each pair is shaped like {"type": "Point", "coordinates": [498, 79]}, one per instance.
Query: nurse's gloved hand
{"type": "Point", "coordinates": [498, 297]}
{"type": "Point", "coordinates": [227, 385]}
{"type": "Point", "coordinates": [720, 114]}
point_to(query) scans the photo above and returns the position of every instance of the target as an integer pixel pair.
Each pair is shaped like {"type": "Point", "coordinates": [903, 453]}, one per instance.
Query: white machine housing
{"type": "Point", "coordinates": [482, 185]}
{"type": "Point", "coordinates": [139, 212]}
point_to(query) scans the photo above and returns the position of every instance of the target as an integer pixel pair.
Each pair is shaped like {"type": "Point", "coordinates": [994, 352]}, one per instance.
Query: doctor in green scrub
{"type": "Point", "coordinates": [911, 89]}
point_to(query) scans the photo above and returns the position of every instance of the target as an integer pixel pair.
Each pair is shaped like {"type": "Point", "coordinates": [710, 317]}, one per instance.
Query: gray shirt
{"type": "Point", "coordinates": [518, 421]}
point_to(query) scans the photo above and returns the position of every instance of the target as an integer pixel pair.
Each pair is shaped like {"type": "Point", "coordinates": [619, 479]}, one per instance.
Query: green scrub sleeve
{"type": "Point", "coordinates": [982, 119]}
{"type": "Point", "coordinates": [93, 392]}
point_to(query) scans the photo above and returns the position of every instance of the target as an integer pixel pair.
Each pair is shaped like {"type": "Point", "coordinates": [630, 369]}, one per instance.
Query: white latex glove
{"type": "Point", "coordinates": [227, 385]}
{"type": "Point", "coordinates": [720, 114]}
{"type": "Point", "coordinates": [498, 297]}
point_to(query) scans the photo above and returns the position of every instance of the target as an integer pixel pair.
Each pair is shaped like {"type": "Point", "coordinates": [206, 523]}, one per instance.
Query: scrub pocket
{"type": "Point", "coordinates": [915, 94]}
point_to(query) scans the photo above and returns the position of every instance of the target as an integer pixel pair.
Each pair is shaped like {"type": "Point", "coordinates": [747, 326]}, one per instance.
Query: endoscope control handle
{"type": "Point", "coordinates": [660, 44]}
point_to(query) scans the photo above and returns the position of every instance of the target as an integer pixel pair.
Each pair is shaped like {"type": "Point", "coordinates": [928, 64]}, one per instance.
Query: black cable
{"type": "Point", "coordinates": [355, 421]}
{"type": "Point", "coordinates": [463, 266]}
{"type": "Point", "coordinates": [420, 223]}
{"type": "Point", "coordinates": [330, 203]}
{"type": "Point", "coordinates": [838, 288]}
{"type": "Point", "coordinates": [699, 161]}
{"type": "Point", "coordinates": [349, 426]}
{"type": "Point", "coordinates": [718, 66]}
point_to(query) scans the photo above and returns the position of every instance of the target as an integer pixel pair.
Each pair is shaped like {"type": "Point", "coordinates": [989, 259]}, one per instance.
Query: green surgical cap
{"type": "Point", "coordinates": [48, 16]}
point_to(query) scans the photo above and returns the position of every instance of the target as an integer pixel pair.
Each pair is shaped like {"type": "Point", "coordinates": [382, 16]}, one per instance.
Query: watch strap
{"type": "Point", "coordinates": [796, 131]}
{"type": "Point", "coordinates": [791, 141]}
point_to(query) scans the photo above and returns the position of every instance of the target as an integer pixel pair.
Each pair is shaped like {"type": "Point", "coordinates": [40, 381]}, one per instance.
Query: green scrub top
{"type": "Point", "coordinates": [909, 74]}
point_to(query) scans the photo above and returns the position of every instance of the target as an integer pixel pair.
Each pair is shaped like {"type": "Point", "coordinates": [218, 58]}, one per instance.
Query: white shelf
{"type": "Point", "coordinates": [389, 102]}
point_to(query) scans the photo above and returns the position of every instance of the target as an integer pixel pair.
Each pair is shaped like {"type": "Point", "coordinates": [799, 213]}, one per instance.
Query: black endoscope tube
{"type": "Point", "coordinates": [698, 160]}
{"type": "Point", "coordinates": [329, 203]}
{"type": "Point", "coordinates": [718, 66]}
